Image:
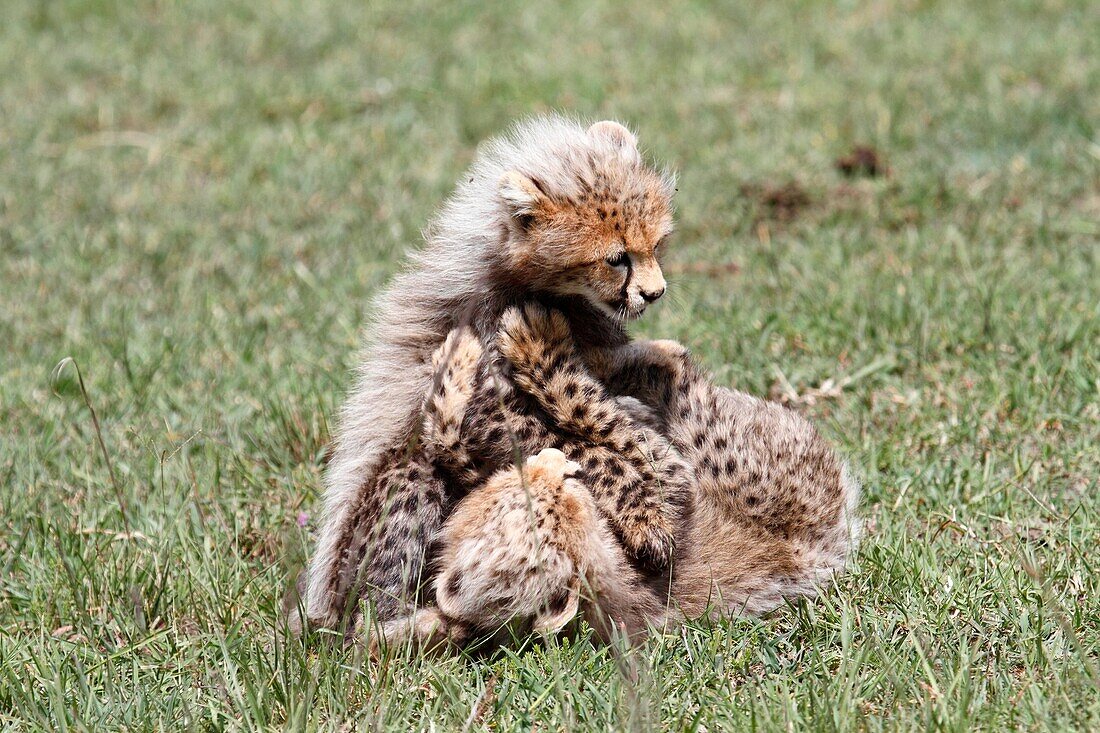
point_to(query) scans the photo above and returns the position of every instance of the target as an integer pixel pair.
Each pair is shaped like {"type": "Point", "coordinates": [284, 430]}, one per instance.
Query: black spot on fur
{"type": "Point", "coordinates": [557, 364]}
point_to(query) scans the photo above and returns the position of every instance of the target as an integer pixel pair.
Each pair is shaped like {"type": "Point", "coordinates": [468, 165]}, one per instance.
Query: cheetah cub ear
{"type": "Point", "coordinates": [560, 610]}
{"type": "Point", "coordinates": [619, 136]}
{"type": "Point", "coordinates": [522, 196]}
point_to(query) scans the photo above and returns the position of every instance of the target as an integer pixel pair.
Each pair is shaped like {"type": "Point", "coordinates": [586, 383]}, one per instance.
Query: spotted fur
{"type": "Point", "coordinates": [774, 505]}
{"type": "Point", "coordinates": [531, 392]}
{"type": "Point", "coordinates": [525, 552]}
{"type": "Point", "coordinates": [640, 486]}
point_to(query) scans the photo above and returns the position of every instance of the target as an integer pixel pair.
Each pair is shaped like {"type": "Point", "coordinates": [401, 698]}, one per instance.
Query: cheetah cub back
{"type": "Point", "coordinates": [517, 547]}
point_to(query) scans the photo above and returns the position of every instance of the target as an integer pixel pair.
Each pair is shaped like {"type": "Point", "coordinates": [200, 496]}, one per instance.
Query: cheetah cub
{"type": "Point", "coordinates": [550, 242]}
{"type": "Point", "coordinates": [529, 391]}
{"type": "Point", "coordinates": [770, 515]}
{"type": "Point", "coordinates": [555, 212]}
{"type": "Point", "coordinates": [774, 505]}
{"type": "Point", "coordinates": [522, 554]}
{"type": "Point", "coordinates": [532, 543]}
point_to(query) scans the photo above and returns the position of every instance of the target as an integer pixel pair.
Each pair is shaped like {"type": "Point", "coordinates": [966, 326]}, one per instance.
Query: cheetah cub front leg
{"type": "Point", "coordinates": [635, 493]}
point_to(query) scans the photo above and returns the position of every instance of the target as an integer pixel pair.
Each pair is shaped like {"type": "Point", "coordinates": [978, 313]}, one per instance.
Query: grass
{"type": "Point", "coordinates": [197, 201]}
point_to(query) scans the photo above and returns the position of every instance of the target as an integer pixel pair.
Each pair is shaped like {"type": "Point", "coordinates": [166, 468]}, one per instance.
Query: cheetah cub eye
{"type": "Point", "coordinates": [620, 260]}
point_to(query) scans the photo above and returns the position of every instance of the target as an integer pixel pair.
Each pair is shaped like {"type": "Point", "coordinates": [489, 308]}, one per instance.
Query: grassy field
{"type": "Point", "coordinates": [198, 199]}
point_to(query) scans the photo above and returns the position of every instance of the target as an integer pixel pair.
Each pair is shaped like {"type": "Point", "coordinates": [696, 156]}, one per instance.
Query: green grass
{"type": "Point", "coordinates": [197, 201]}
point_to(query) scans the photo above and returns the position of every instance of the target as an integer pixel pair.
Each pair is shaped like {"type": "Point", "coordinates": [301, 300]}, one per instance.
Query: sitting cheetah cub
{"type": "Point", "coordinates": [554, 211]}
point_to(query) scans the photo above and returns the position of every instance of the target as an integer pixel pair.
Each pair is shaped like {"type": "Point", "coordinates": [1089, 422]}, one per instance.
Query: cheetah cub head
{"type": "Point", "coordinates": [588, 219]}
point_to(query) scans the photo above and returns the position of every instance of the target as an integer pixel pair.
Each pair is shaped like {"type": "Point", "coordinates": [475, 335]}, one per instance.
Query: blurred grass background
{"type": "Point", "coordinates": [198, 199]}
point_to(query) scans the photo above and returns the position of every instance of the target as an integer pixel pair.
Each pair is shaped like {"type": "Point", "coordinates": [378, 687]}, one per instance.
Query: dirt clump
{"type": "Point", "coordinates": [863, 161]}
{"type": "Point", "coordinates": [781, 202]}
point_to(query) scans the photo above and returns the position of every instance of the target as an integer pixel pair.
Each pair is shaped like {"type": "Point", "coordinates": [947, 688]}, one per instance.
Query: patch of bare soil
{"type": "Point", "coordinates": [782, 202]}
{"type": "Point", "coordinates": [862, 162]}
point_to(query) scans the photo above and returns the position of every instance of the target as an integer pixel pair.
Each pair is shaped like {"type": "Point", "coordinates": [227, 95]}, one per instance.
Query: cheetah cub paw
{"type": "Point", "coordinates": [553, 465]}
{"type": "Point", "coordinates": [454, 366]}
{"type": "Point", "coordinates": [531, 334]}
{"type": "Point", "coordinates": [647, 538]}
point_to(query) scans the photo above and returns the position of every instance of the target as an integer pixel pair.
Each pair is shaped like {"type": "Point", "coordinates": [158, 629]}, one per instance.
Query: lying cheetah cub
{"type": "Point", "coordinates": [774, 505]}
{"type": "Point", "coordinates": [770, 514]}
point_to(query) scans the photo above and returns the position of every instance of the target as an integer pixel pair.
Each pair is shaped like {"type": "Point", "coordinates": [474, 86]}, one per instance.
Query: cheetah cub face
{"type": "Point", "coordinates": [589, 220]}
